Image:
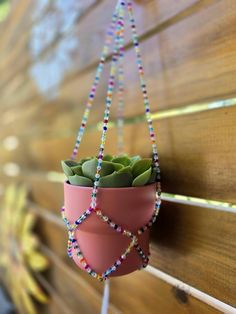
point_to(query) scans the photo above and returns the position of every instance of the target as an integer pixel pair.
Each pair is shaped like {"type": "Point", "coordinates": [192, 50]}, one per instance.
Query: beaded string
{"type": "Point", "coordinates": [111, 85]}
{"type": "Point", "coordinates": [105, 52]}
{"type": "Point", "coordinates": [72, 242]}
{"type": "Point", "coordinates": [73, 245]}
{"type": "Point", "coordinates": [120, 111]}
{"type": "Point", "coordinates": [146, 99]}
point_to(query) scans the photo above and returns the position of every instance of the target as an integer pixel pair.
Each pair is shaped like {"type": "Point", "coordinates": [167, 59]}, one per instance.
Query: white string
{"type": "Point", "coordinates": [105, 299]}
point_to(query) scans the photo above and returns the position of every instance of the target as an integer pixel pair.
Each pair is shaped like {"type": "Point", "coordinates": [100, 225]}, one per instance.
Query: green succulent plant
{"type": "Point", "coordinates": [118, 171]}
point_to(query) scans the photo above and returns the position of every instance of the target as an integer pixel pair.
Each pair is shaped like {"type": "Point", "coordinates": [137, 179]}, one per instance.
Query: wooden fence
{"type": "Point", "coordinates": [189, 52]}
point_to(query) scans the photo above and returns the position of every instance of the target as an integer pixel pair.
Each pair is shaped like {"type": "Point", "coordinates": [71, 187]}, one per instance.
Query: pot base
{"type": "Point", "coordinates": [131, 208]}
{"type": "Point", "coordinates": [103, 251]}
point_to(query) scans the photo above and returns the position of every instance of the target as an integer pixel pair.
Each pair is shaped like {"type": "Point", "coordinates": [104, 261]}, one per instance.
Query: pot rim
{"type": "Point", "coordinates": [130, 188]}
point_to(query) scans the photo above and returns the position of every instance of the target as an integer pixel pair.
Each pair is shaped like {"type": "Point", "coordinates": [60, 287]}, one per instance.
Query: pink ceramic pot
{"type": "Point", "coordinates": [130, 208]}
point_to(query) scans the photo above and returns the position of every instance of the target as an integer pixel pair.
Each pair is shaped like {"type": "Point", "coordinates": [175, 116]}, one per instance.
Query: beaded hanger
{"type": "Point", "coordinates": [120, 110]}
{"type": "Point", "coordinates": [116, 30]}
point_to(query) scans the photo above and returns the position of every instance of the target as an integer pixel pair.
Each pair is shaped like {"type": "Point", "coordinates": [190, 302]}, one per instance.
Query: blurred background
{"type": "Point", "coordinates": [49, 51]}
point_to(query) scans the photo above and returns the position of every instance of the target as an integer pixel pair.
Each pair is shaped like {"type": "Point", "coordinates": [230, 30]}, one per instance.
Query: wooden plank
{"type": "Point", "coordinates": [17, 17]}
{"type": "Point", "coordinates": [96, 22]}
{"type": "Point", "coordinates": [25, 90]}
{"type": "Point", "coordinates": [196, 151]}
{"type": "Point", "coordinates": [56, 305]}
{"type": "Point", "coordinates": [65, 287]}
{"type": "Point", "coordinates": [31, 154]}
{"type": "Point", "coordinates": [18, 61]}
{"type": "Point", "coordinates": [187, 58]}
{"type": "Point", "coordinates": [193, 244]}
{"type": "Point", "coordinates": [77, 292]}
{"type": "Point", "coordinates": [74, 295]}
{"type": "Point", "coordinates": [197, 245]}
{"type": "Point", "coordinates": [178, 246]}
{"type": "Point", "coordinates": [172, 66]}
{"type": "Point", "coordinates": [179, 90]}
{"type": "Point", "coordinates": [190, 246]}
{"type": "Point", "coordinates": [167, 300]}
{"type": "Point", "coordinates": [162, 298]}
{"type": "Point", "coordinates": [197, 154]}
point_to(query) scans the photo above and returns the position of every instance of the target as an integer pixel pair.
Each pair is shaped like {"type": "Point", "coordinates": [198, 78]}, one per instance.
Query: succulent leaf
{"type": "Point", "coordinates": [66, 166]}
{"type": "Point", "coordinates": [118, 171]}
{"type": "Point", "coordinates": [89, 168]}
{"type": "Point", "coordinates": [117, 166]}
{"type": "Point", "coordinates": [107, 158]}
{"type": "Point", "coordinates": [124, 160]}
{"type": "Point", "coordinates": [125, 170]}
{"type": "Point", "coordinates": [141, 166]}
{"type": "Point", "coordinates": [133, 159]}
{"type": "Point", "coordinates": [143, 178]}
{"type": "Point", "coordinates": [77, 170]}
{"type": "Point", "coordinates": [79, 180]}
{"type": "Point", "coordinates": [116, 180]}
{"type": "Point", "coordinates": [70, 163]}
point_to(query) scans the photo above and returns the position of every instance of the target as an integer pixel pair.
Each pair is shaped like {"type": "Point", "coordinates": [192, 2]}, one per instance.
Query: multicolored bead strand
{"type": "Point", "coordinates": [105, 53]}
{"type": "Point", "coordinates": [120, 111]}
{"type": "Point", "coordinates": [146, 99]}
{"type": "Point", "coordinates": [73, 244]}
{"type": "Point", "coordinates": [111, 84]}
{"type": "Point", "coordinates": [73, 249]}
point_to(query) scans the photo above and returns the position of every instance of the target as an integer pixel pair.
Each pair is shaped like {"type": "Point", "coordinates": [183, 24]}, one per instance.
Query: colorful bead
{"type": "Point", "coordinates": [117, 26]}
{"type": "Point", "coordinates": [99, 71]}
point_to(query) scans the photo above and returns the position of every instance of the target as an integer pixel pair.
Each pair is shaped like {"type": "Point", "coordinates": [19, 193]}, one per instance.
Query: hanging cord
{"type": "Point", "coordinates": [120, 122]}
{"type": "Point", "coordinates": [105, 53]}
{"type": "Point", "coordinates": [105, 299]}
{"type": "Point", "coordinates": [120, 111]}
{"type": "Point", "coordinates": [111, 84]}
{"type": "Point", "coordinates": [145, 98]}
{"type": "Point", "coordinates": [72, 227]}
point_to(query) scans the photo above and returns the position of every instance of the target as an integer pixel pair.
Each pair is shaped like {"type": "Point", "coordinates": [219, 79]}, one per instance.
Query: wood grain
{"type": "Point", "coordinates": [188, 244]}
{"type": "Point", "coordinates": [167, 300]}
{"type": "Point", "coordinates": [172, 66]}
{"type": "Point", "coordinates": [197, 245]}
{"type": "Point", "coordinates": [55, 305]}
{"type": "Point", "coordinates": [189, 50]}
{"type": "Point", "coordinates": [70, 290]}
{"type": "Point", "coordinates": [96, 24]}
{"type": "Point", "coordinates": [21, 56]}
{"type": "Point", "coordinates": [151, 295]}
{"type": "Point", "coordinates": [197, 151]}
{"type": "Point", "coordinates": [194, 244]}
{"type": "Point", "coordinates": [182, 56]}
{"type": "Point", "coordinates": [26, 91]}
{"type": "Point", "coordinates": [163, 53]}
{"type": "Point", "coordinates": [19, 17]}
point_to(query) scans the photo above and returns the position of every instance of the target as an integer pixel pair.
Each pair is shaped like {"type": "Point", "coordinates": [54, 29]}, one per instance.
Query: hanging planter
{"type": "Point", "coordinates": [112, 201]}
{"type": "Point", "coordinates": [124, 198]}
